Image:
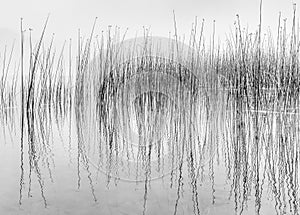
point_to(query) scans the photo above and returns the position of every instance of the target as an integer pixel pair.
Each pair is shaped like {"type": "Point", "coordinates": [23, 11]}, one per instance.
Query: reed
{"type": "Point", "coordinates": [234, 105]}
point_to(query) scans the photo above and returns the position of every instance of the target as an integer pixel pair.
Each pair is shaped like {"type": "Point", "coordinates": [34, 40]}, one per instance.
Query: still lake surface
{"type": "Point", "coordinates": [156, 141]}
{"type": "Point", "coordinates": [202, 160]}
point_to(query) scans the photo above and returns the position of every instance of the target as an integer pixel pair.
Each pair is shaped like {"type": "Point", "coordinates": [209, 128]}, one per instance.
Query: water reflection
{"type": "Point", "coordinates": [157, 126]}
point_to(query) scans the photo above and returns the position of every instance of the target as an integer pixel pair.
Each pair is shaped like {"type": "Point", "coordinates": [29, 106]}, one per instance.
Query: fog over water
{"type": "Point", "coordinates": [174, 115]}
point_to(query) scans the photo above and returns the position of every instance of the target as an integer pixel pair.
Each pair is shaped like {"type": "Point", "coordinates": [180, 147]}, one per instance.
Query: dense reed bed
{"type": "Point", "coordinates": [151, 108]}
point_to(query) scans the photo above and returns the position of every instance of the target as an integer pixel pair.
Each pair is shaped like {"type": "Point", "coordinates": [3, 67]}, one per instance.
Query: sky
{"type": "Point", "coordinates": [67, 16]}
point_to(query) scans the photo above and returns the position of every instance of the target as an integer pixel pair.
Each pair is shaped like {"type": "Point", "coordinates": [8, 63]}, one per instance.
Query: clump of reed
{"type": "Point", "coordinates": [235, 106]}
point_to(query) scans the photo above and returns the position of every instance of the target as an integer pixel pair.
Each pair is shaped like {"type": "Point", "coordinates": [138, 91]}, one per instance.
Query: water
{"type": "Point", "coordinates": [158, 141]}
{"type": "Point", "coordinates": [75, 171]}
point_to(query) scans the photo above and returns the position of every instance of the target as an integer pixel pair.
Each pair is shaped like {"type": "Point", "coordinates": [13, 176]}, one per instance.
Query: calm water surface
{"type": "Point", "coordinates": [153, 146]}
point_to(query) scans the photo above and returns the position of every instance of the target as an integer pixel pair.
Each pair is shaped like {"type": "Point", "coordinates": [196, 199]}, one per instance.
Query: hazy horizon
{"type": "Point", "coordinates": [68, 16]}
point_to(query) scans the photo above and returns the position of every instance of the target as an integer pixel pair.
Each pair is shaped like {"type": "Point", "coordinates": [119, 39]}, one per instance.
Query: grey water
{"type": "Point", "coordinates": [209, 164]}
{"type": "Point", "coordinates": [154, 141]}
